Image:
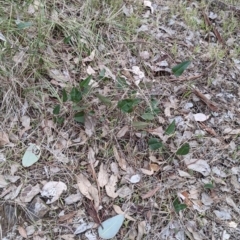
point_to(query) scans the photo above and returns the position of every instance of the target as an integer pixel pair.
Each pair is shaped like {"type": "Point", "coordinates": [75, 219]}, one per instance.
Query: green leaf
{"type": "Point", "coordinates": [127, 105]}
{"type": "Point", "coordinates": [140, 125]}
{"type": "Point", "coordinates": [67, 40]}
{"type": "Point", "coordinates": [171, 128]}
{"type": "Point", "coordinates": [154, 143]}
{"type": "Point", "coordinates": [180, 68]}
{"type": "Point", "coordinates": [208, 186]}
{"type": "Point", "coordinates": [85, 83]}
{"type": "Point", "coordinates": [147, 116]}
{"type": "Point", "coordinates": [104, 99]}
{"type": "Point", "coordinates": [110, 227]}
{"type": "Point", "coordinates": [56, 109]}
{"type": "Point", "coordinates": [79, 117]}
{"type": "Point", "coordinates": [64, 95]}
{"type": "Point", "coordinates": [59, 120]}
{"type": "Point", "coordinates": [23, 25]}
{"type": "Point", "coordinates": [184, 149]}
{"type": "Point", "coordinates": [75, 95]}
{"type": "Point", "coordinates": [121, 83]}
{"type": "Point", "coordinates": [178, 206]}
{"type": "Point", "coordinates": [102, 73]}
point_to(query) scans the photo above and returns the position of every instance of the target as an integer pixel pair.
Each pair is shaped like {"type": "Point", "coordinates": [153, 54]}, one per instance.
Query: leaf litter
{"type": "Point", "coordinates": [104, 164]}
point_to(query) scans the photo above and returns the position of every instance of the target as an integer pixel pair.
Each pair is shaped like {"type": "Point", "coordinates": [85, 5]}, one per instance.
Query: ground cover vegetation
{"type": "Point", "coordinates": [119, 119]}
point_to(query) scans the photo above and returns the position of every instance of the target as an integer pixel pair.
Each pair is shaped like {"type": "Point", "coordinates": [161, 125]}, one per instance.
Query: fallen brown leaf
{"type": "Point", "coordinates": [102, 176]}
{"type": "Point", "coordinates": [213, 106]}
{"type": "Point", "coordinates": [92, 212]}
{"type": "Point", "coordinates": [22, 232]}
{"type": "Point", "coordinates": [3, 138]}
{"type": "Point", "coordinates": [150, 193]}
{"type": "Point", "coordinates": [67, 216]}
{"type": "Point", "coordinates": [217, 34]}
{"type": "Point", "coordinates": [110, 187]}
{"type": "Point", "coordinates": [121, 161]}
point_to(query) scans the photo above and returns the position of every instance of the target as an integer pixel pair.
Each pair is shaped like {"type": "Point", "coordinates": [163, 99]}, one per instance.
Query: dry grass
{"type": "Point", "coordinates": [41, 60]}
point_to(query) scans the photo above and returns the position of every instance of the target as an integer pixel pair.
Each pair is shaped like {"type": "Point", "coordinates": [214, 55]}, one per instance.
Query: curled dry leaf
{"type": "Point", "coordinates": [3, 139]}
{"type": "Point", "coordinates": [154, 167]}
{"type": "Point", "coordinates": [93, 192]}
{"type": "Point", "coordinates": [118, 210]}
{"type": "Point", "coordinates": [121, 161]}
{"type": "Point", "coordinates": [184, 174]}
{"type": "Point", "coordinates": [200, 117]}
{"type": "Point", "coordinates": [231, 203]}
{"type": "Point", "coordinates": [29, 192]}
{"type": "Point", "coordinates": [67, 216]}
{"type": "Point", "coordinates": [141, 229]}
{"type": "Point", "coordinates": [124, 191]}
{"type": "Point", "coordinates": [90, 123]}
{"type": "Point", "coordinates": [83, 227]}
{"type": "Point", "coordinates": [22, 232]}
{"type": "Point", "coordinates": [91, 156]}
{"type": "Point", "coordinates": [185, 197]}
{"type": "Point", "coordinates": [102, 176]}
{"type": "Point", "coordinates": [110, 187]}
{"type": "Point", "coordinates": [148, 4]}
{"type": "Point", "coordinates": [223, 215]}
{"type": "Point", "coordinates": [160, 133]}
{"type": "Point", "coordinates": [206, 199]}
{"type": "Point", "coordinates": [147, 172]}
{"type": "Point", "coordinates": [90, 57]}
{"type": "Point", "coordinates": [3, 182]}
{"type": "Point", "coordinates": [199, 165]}
{"type": "Point", "coordinates": [73, 198]}
{"type": "Point", "coordinates": [139, 75]}
{"type": "Point", "coordinates": [84, 185]}
{"type": "Point", "coordinates": [150, 193]}
{"type": "Point", "coordinates": [26, 124]}
{"type": "Point", "coordinates": [231, 131]}
{"type": "Point", "coordinates": [88, 190]}
{"type": "Point", "coordinates": [122, 131]}
{"type": "Point", "coordinates": [53, 190]}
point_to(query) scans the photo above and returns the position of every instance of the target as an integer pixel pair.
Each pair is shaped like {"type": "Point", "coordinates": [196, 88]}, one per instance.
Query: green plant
{"type": "Point", "coordinates": [178, 206]}
{"type": "Point", "coordinates": [75, 96]}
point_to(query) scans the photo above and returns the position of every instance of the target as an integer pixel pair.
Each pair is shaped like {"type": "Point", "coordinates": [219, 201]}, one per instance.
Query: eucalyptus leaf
{"type": "Point", "coordinates": [171, 128]}
{"type": "Point", "coordinates": [180, 68]}
{"type": "Point", "coordinates": [31, 155]}
{"type": "Point", "coordinates": [184, 149]}
{"type": "Point", "coordinates": [110, 227]}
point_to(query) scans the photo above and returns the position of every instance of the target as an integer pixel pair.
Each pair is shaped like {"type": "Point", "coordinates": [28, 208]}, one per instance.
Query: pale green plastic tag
{"type": "Point", "coordinates": [31, 155]}
{"type": "Point", "coordinates": [111, 227]}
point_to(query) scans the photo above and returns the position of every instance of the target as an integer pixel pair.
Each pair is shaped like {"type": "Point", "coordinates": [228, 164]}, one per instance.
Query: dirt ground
{"type": "Point", "coordinates": [112, 108]}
